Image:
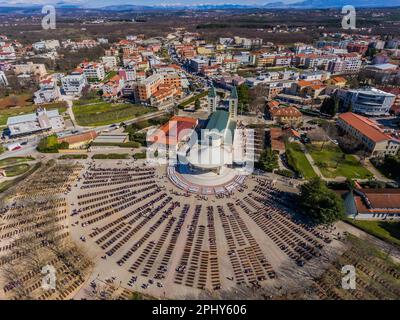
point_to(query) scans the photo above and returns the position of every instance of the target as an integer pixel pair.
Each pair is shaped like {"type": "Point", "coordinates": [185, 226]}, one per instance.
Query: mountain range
{"type": "Point", "coordinates": [305, 4]}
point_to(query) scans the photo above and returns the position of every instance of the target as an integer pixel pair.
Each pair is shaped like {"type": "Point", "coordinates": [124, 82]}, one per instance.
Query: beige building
{"type": "Point", "coordinates": [79, 141]}
{"type": "Point", "coordinates": [368, 133]}
{"type": "Point", "coordinates": [30, 68]}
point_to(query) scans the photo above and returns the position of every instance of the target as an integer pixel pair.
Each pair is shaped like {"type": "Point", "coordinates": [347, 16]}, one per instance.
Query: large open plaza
{"type": "Point", "coordinates": [155, 238]}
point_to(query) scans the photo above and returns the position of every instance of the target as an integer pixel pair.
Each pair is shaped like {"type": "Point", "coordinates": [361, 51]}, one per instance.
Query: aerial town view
{"type": "Point", "coordinates": [217, 151]}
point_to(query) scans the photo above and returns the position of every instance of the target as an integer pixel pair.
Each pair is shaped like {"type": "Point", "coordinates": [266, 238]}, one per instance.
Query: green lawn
{"type": "Point", "coordinates": [298, 161]}
{"type": "Point", "coordinates": [14, 160]}
{"type": "Point", "coordinates": [73, 156]}
{"type": "Point", "coordinates": [334, 163]}
{"type": "Point", "coordinates": [193, 99]}
{"type": "Point", "coordinates": [385, 230]}
{"type": "Point", "coordinates": [16, 170]}
{"type": "Point", "coordinates": [111, 156]}
{"type": "Point", "coordinates": [10, 183]}
{"type": "Point", "coordinates": [5, 113]}
{"type": "Point", "coordinates": [104, 113]}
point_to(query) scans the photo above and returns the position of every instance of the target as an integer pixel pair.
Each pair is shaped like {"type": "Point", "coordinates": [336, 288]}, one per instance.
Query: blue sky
{"type": "Point", "coordinates": [100, 3]}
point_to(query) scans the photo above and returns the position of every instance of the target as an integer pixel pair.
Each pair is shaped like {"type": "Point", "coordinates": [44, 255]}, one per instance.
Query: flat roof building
{"type": "Point", "coordinates": [40, 121]}
{"type": "Point", "coordinates": [368, 101]}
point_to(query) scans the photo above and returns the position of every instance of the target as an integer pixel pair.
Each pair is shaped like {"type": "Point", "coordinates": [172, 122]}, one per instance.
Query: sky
{"type": "Point", "coordinates": [101, 3]}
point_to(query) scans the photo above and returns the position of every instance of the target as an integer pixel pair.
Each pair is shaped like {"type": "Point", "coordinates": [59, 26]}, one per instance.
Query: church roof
{"type": "Point", "coordinates": [212, 93]}
{"type": "Point", "coordinates": [218, 120]}
{"type": "Point", "coordinates": [234, 94]}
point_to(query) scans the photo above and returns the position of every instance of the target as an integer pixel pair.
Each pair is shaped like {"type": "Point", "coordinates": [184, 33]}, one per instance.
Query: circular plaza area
{"type": "Point", "coordinates": [148, 234]}
{"type": "Point", "coordinates": [207, 170]}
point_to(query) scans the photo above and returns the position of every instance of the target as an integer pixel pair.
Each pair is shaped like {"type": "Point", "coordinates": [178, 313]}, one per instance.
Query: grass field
{"type": "Point", "coordinates": [16, 170]}
{"type": "Point", "coordinates": [193, 99]}
{"type": "Point", "coordinates": [385, 230]}
{"type": "Point", "coordinates": [115, 156]}
{"type": "Point", "coordinates": [24, 108]}
{"type": "Point", "coordinates": [103, 113]}
{"type": "Point", "coordinates": [73, 156]}
{"type": "Point", "coordinates": [334, 163]}
{"type": "Point", "coordinates": [298, 160]}
{"type": "Point", "coordinates": [10, 183]}
{"type": "Point", "coordinates": [14, 160]}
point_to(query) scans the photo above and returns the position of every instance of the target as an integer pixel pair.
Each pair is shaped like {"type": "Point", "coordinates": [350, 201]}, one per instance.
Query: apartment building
{"type": "Point", "coordinates": [93, 71]}
{"type": "Point", "coordinates": [3, 79]}
{"type": "Point", "coordinates": [366, 132]}
{"type": "Point", "coordinates": [35, 69]}
{"type": "Point", "coordinates": [128, 74]}
{"type": "Point", "coordinates": [46, 45]}
{"type": "Point", "coordinates": [110, 62]}
{"type": "Point", "coordinates": [48, 92]}
{"type": "Point", "coordinates": [346, 64]}
{"type": "Point", "coordinates": [74, 83]}
{"type": "Point", "coordinates": [368, 101]}
{"type": "Point", "coordinates": [147, 87]}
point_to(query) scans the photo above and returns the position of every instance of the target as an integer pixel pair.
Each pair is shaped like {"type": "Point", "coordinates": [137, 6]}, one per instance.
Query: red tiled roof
{"type": "Point", "coordinates": [172, 129]}
{"type": "Point", "coordinates": [378, 200]}
{"type": "Point", "coordinates": [367, 127]}
{"type": "Point", "coordinates": [286, 112]}
{"type": "Point", "coordinates": [82, 137]}
{"type": "Point", "coordinates": [277, 139]}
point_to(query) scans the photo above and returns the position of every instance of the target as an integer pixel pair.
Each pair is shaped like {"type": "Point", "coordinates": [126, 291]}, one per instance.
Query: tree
{"type": "Point", "coordinates": [329, 107]}
{"type": "Point", "coordinates": [243, 98]}
{"type": "Point", "coordinates": [320, 203]}
{"type": "Point", "coordinates": [350, 183]}
{"type": "Point", "coordinates": [268, 160]}
{"type": "Point", "coordinates": [197, 104]}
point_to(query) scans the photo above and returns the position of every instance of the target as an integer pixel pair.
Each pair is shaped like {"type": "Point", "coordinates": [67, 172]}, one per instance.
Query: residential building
{"type": "Point", "coordinates": [112, 88]}
{"type": "Point", "coordinates": [110, 62]}
{"type": "Point", "coordinates": [74, 83]}
{"type": "Point", "coordinates": [346, 64]}
{"type": "Point", "coordinates": [48, 92]}
{"type": "Point", "coordinates": [93, 71]}
{"type": "Point", "coordinates": [196, 64]}
{"type": "Point", "coordinates": [35, 69]}
{"type": "Point", "coordinates": [46, 45]}
{"type": "Point", "coordinates": [128, 74]}
{"type": "Point", "coordinates": [368, 101]}
{"type": "Point", "coordinates": [147, 87]}
{"type": "Point", "coordinates": [368, 134]}
{"type": "Point", "coordinates": [3, 79]}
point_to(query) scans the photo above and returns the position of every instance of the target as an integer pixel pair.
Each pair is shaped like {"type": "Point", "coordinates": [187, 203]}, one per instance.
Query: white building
{"type": "Point", "coordinates": [196, 64]}
{"type": "Point", "coordinates": [46, 45]}
{"type": "Point", "coordinates": [93, 71]}
{"type": "Point", "coordinates": [74, 83]}
{"type": "Point", "coordinates": [368, 101]}
{"type": "Point", "coordinates": [3, 79]}
{"type": "Point", "coordinates": [110, 62]}
{"type": "Point", "coordinates": [48, 92]}
{"type": "Point", "coordinates": [40, 121]}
